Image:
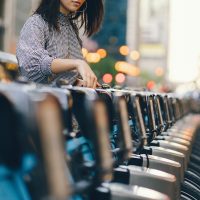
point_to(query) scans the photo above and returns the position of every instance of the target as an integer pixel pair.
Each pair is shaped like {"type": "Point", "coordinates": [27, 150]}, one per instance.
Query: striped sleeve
{"type": "Point", "coordinates": [33, 59]}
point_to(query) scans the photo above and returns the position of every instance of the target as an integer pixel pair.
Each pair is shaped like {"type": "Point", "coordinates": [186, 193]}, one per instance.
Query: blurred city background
{"type": "Point", "coordinates": [142, 43]}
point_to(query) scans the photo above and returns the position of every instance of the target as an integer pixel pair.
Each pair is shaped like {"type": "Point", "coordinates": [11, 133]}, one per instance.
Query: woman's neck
{"type": "Point", "coordinates": [63, 10]}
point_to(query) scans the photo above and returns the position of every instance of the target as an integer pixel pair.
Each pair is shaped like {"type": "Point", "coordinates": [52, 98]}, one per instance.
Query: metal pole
{"type": "Point", "coordinates": [9, 22]}
{"type": "Point", "coordinates": [133, 28]}
{"type": "Point", "coordinates": [133, 35]}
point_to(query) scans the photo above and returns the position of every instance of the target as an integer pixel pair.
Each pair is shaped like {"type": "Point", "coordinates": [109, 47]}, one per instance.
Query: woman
{"type": "Point", "coordinates": [49, 47]}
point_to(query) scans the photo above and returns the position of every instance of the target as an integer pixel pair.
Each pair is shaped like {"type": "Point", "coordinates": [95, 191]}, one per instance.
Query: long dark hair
{"type": "Point", "coordinates": [90, 14]}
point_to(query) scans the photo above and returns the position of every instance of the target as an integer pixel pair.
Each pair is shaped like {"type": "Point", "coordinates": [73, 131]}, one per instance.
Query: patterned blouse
{"type": "Point", "coordinates": [38, 46]}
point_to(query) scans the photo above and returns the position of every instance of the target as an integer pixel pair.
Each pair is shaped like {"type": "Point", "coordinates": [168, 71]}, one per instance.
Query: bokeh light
{"type": "Point", "coordinates": [102, 53]}
{"type": "Point", "coordinates": [84, 52]}
{"type": "Point", "coordinates": [159, 71]}
{"type": "Point", "coordinates": [113, 40]}
{"type": "Point", "coordinates": [151, 85]}
{"type": "Point", "coordinates": [135, 55]}
{"type": "Point", "coordinates": [93, 57]}
{"type": "Point", "coordinates": [107, 78]}
{"type": "Point", "coordinates": [124, 50]}
{"type": "Point", "coordinates": [127, 68]}
{"type": "Point", "coordinates": [120, 78]}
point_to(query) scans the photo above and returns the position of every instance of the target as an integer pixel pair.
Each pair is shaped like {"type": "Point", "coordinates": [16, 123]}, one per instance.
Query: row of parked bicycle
{"type": "Point", "coordinates": [105, 144]}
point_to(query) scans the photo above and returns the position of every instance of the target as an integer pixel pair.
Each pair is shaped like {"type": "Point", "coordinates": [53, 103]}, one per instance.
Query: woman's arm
{"type": "Point", "coordinates": [36, 61]}
{"type": "Point", "coordinates": [62, 65]}
{"type": "Point", "coordinates": [33, 59]}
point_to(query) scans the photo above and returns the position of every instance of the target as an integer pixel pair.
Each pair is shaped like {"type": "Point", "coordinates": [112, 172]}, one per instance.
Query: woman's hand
{"type": "Point", "coordinates": [81, 83]}
{"type": "Point", "coordinates": [89, 78]}
{"type": "Point", "coordinates": [62, 65]}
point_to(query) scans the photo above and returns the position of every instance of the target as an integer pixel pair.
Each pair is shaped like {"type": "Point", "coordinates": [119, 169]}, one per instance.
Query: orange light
{"type": "Point", "coordinates": [124, 50]}
{"type": "Point", "coordinates": [134, 55]}
{"type": "Point", "coordinates": [150, 85]}
{"type": "Point", "coordinates": [127, 68]}
{"type": "Point", "coordinates": [107, 78]}
{"type": "Point", "coordinates": [119, 65]}
{"type": "Point", "coordinates": [120, 78]}
{"type": "Point", "coordinates": [84, 52]}
{"type": "Point", "coordinates": [102, 53]}
{"type": "Point", "coordinates": [159, 71]}
{"type": "Point", "coordinates": [93, 57]}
